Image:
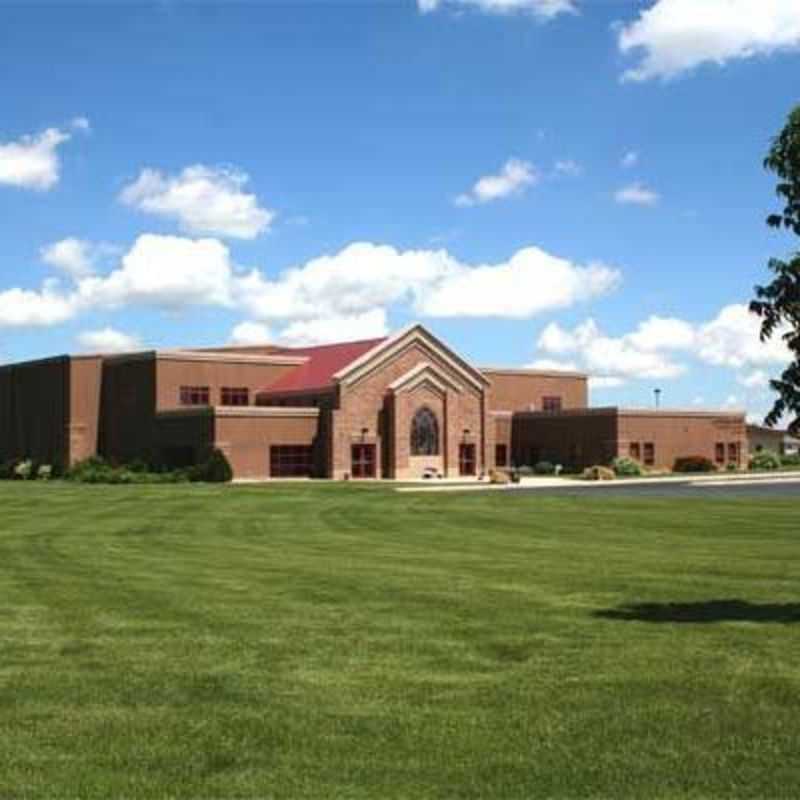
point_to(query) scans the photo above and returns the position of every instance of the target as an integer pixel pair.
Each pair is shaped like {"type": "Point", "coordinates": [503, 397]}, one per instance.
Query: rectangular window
{"type": "Point", "coordinates": [194, 396]}
{"type": "Point", "coordinates": [235, 396]}
{"type": "Point", "coordinates": [290, 461]}
{"type": "Point", "coordinates": [466, 459]}
{"type": "Point", "coordinates": [501, 455]}
{"type": "Point", "coordinates": [362, 460]}
{"type": "Point", "coordinates": [719, 452]}
{"type": "Point", "coordinates": [733, 452]}
{"type": "Point", "coordinates": [551, 404]}
{"type": "Point", "coordinates": [649, 454]}
{"type": "Point", "coordinates": [635, 451]}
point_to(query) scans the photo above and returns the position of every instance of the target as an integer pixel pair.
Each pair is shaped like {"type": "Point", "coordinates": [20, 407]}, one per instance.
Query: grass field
{"type": "Point", "coordinates": [350, 642]}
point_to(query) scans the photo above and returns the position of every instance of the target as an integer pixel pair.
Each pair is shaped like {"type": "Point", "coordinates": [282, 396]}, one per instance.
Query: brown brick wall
{"type": "Point", "coordinates": [363, 405]}
{"type": "Point", "coordinates": [681, 434]}
{"type": "Point", "coordinates": [172, 373]}
{"type": "Point", "coordinates": [519, 391]}
{"type": "Point", "coordinates": [84, 403]}
{"type": "Point", "coordinates": [247, 440]}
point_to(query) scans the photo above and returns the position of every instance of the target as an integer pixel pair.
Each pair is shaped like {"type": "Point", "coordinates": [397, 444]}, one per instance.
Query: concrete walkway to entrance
{"type": "Point", "coordinates": [704, 480]}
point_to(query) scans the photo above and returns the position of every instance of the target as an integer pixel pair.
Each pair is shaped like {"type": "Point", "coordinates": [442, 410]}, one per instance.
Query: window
{"type": "Point", "coordinates": [501, 455]}
{"type": "Point", "coordinates": [424, 433]}
{"type": "Point", "coordinates": [466, 459]}
{"type": "Point", "coordinates": [194, 396]}
{"type": "Point", "coordinates": [719, 452]}
{"type": "Point", "coordinates": [733, 452]}
{"type": "Point", "coordinates": [362, 460]}
{"type": "Point", "coordinates": [551, 404]}
{"type": "Point", "coordinates": [290, 461]}
{"type": "Point", "coordinates": [649, 454]}
{"type": "Point", "coordinates": [235, 396]}
{"type": "Point", "coordinates": [635, 451]}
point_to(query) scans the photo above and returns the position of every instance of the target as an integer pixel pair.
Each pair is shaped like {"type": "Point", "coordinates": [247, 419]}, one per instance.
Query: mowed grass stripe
{"type": "Point", "coordinates": [316, 640]}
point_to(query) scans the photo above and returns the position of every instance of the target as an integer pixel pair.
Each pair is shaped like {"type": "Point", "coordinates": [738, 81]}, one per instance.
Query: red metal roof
{"type": "Point", "coordinates": [324, 361]}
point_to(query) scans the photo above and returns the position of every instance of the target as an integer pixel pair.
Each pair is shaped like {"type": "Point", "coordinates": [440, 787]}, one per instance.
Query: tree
{"type": "Point", "coordinates": [778, 303]}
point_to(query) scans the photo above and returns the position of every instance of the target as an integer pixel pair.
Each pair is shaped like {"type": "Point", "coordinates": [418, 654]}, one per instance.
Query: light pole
{"type": "Point", "coordinates": [657, 393]}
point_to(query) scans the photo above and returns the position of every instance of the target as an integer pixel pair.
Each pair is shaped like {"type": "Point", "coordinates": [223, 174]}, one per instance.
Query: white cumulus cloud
{"type": "Point", "coordinates": [248, 332]}
{"type": "Point", "coordinates": [204, 200]}
{"type": "Point", "coordinates": [637, 194]}
{"type": "Point", "coordinates": [674, 36]}
{"type": "Point", "coordinates": [323, 330]}
{"type": "Point", "coordinates": [108, 340]}
{"type": "Point", "coordinates": [364, 276]}
{"type": "Point", "coordinates": [36, 308]}
{"type": "Point", "coordinates": [514, 177]}
{"type": "Point", "coordinates": [77, 258]}
{"type": "Point", "coordinates": [32, 162]}
{"type": "Point", "coordinates": [730, 339]}
{"type": "Point", "coordinates": [168, 272]}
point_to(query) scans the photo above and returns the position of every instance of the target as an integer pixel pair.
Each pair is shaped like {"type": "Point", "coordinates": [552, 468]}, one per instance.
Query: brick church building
{"type": "Point", "coordinates": [383, 408]}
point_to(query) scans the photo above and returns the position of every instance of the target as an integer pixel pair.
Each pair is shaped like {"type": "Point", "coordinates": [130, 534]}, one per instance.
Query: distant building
{"type": "Point", "coordinates": [773, 439]}
{"type": "Point", "coordinates": [393, 408]}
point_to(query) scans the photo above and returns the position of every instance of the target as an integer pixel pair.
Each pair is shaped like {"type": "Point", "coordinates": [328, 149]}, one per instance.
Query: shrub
{"type": "Point", "coordinates": [544, 468]}
{"type": "Point", "coordinates": [791, 460]}
{"type": "Point", "coordinates": [525, 471]}
{"type": "Point", "coordinates": [693, 464]}
{"type": "Point", "coordinates": [215, 469]}
{"type": "Point", "coordinates": [732, 467]}
{"type": "Point", "coordinates": [45, 472]}
{"type": "Point", "coordinates": [499, 476]}
{"type": "Point", "coordinates": [625, 467]}
{"type": "Point", "coordinates": [91, 470]}
{"type": "Point", "coordinates": [598, 473]}
{"type": "Point", "coordinates": [7, 470]}
{"type": "Point", "coordinates": [764, 461]}
{"type": "Point", "coordinates": [25, 470]}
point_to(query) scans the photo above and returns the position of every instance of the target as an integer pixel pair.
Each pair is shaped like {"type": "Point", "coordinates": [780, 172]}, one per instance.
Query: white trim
{"type": "Point", "coordinates": [420, 374]}
{"type": "Point", "coordinates": [212, 357]}
{"type": "Point", "coordinates": [535, 373]}
{"type": "Point", "coordinates": [390, 347]}
{"type": "Point", "coordinates": [241, 411]}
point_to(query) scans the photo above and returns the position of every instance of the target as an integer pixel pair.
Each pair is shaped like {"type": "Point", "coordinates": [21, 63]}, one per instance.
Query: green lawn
{"type": "Point", "coordinates": [349, 642]}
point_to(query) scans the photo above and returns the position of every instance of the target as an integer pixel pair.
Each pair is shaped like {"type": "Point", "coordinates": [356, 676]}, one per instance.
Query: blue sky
{"type": "Point", "coordinates": [548, 182]}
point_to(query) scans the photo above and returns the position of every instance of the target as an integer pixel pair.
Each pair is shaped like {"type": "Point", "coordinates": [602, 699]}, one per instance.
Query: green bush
{"type": "Point", "coordinates": [215, 469]}
{"type": "Point", "coordinates": [625, 467]}
{"type": "Point", "coordinates": [544, 468]}
{"type": "Point", "coordinates": [764, 461]}
{"type": "Point", "coordinates": [7, 470]}
{"type": "Point", "coordinates": [693, 464]}
{"type": "Point", "coordinates": [45, 472]}
{"type": "Point", "coordinates": [791, 460]}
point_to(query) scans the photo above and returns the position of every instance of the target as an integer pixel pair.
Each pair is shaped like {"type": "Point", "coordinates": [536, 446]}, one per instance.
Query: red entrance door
{"type": "Point", "coordinates": [362, 460]}
{"type": "Point", "coordinates": [466, 459]}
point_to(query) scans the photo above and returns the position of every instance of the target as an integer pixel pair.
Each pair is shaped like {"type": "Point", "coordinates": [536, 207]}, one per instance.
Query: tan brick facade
{"type": "Point", "coordinates": [338, 411]}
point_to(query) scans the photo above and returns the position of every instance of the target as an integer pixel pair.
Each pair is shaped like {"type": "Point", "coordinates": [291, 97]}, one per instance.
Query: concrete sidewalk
{"type": "Point", "coordinates": [743, 479]}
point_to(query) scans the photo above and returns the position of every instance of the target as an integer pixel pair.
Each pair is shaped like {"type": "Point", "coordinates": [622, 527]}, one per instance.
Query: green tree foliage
{"type": "Point", "coordinates": [778, 303]}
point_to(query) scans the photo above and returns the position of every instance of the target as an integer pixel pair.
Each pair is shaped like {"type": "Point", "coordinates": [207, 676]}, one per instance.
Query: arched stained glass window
{"type": "Point", "coordinates": [424, 433]}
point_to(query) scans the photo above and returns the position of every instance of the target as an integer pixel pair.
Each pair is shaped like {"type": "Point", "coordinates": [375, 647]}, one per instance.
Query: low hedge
{"type": "Point", "coordinates": [625, 467]}
{"type": "Point", "coordinates": [693, 464]}
{"type": "Point", "coordinates": [765, 461]}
